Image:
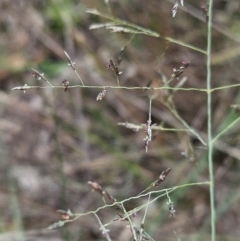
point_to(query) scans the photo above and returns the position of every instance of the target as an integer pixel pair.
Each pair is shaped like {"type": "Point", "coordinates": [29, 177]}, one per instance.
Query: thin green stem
{"type": "Point", "coordinates": [145, 213]}
{"type": "Point", "coordinates": [150, 110]}
{"type": "Point", "coordinates": [79, 77]}
{"type": "Point", "coordinates": [226, 129]}
{"type": "Point", "coordinates": [169, 199]}
{"type": "Point", "coordinates": [140, 30]}
{"type": "Point", "coordinates": [167, 83]}
{"type": "Point", "coordinates": [130, 222]}
{"type": "Point", "coordinates": [143, 220]}
{"type": "Point", "coordinates": [146, 189]}
{"type": "Point", "coordinates": [49, 83]}
{"type": "Point", "coordinates": [106, 87]}
{"type": "Point", "coordinates": [124, 87]}
{"type": "Point", "coordinates": [102, 227]}
{"type": "Point", "coordinates": [209, 103]}
{"type": "Point", "coordinates": [175, 113]}
{"type": "Point", "coordinates": [224, 87]}
{"type": "Point", "coordinates": [117, 80]}
{"type": "Point", "coordinates": [184, 44]}
{"type": "Point", "coordinates": [169, 190]}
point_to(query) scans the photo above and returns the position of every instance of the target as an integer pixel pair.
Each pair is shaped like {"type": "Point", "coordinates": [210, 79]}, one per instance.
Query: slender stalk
{"type": "Point", "coordinates": [226, 129]}
{"type": "Point", "coordinates": [130, 222]}
{"type": "Point", "coordinates": [136, 29]}
{"type": "Point", "coordinates": [117, 80]}
{"type": "Point", "coordinates": [175, 113]}
{"type": "Point", "coordinates": [79, 77]}
{"type": "Point", "coordinates": [104, 230]}
{"type": "Point", "coordinates": [225, 87]}
{"type": "Point", "coordinates": [125, 87]}
{"type": "Point", "coordinates": [143, 221]}
{"type": "Point", "coordinates": [150, 110]}
{"type": "Point", "coordinates": [209, 103]}
{"type": "Point", "coordinates": [169, 190]}
{"type": "Point", "coordinates": [27, 87]}
{"type": "Point", "coordinates": [146, 210]}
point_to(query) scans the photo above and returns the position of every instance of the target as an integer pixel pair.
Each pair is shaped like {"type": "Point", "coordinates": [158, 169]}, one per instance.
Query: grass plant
{"type": "Point", "coordinates": [169, 88]}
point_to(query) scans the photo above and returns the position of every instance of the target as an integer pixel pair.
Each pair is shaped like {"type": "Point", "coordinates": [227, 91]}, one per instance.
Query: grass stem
{"type": "Point", "coordinates": [209, 105]}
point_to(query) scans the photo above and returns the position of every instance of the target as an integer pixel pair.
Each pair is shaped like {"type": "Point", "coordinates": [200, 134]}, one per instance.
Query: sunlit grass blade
{"type": "Point", "coordinates": [102, 25]}
{"type": "Point", "coordinates": [124, 23]}
{"type": "Point", "coordinates": [133, 28]}
{"type": "Point", "coordinates": [114, 27]}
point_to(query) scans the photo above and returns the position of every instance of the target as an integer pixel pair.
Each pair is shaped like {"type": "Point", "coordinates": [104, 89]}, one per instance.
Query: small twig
{"type": "Point", "coordinates": [116, 87]}
{"type": "Point", "coordinates": [71, 64]}
{"type": "Point", "coordinates": [225, 130]}
{"type": "Point", "coordinates": [163, 191]}
{"type": "Point", "coordinates": [102, 227]}
{"type": "Point", "coordinates": [40, 76]}
{"type": "Point", "coordinates": [175, 113]}
{"type": "Point", "coordinates": [144, 217]}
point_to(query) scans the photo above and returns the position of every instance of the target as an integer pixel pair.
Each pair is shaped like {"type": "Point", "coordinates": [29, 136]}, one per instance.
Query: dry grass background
{"type": "Point", "coordinates": [53, 142]}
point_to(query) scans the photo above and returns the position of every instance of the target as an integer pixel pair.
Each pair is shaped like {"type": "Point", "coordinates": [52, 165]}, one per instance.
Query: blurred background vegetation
{"type": "Point", "coordinates": [53, 142]}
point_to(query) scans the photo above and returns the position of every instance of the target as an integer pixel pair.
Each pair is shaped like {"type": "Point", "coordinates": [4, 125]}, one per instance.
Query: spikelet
{"type": "Point", "coordinates": [101, 95]}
